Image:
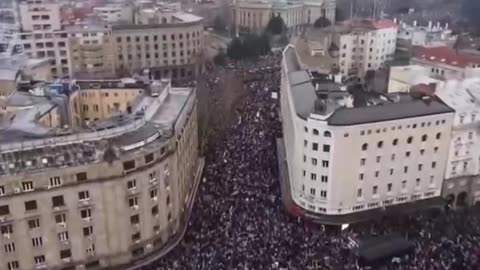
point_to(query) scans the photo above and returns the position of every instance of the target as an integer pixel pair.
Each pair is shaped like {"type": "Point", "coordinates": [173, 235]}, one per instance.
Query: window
{"type": "Point", "coordinates": [313, 176]}
{"type": "Point", "coordinates": [6, 229]}
{"type": "Point", "coordinates": [2, 190]}
{"type": "Point", "coordinates": [363, 161]}
{"type": "Point", "coordinates": [82, 176]}
{"type": "Point", "coordinates": [404, 184]}
{"type": "Point", "coordinates": [375, 190]}
{"type": "Point", "coordinates": [365, 147]}
{"type": "Point", "coordinates": [323, 193]}
{"type": "Point", "coordinates": [37, 241]}
{"type": "Point", "coordinates": [83, 195]}
{"type": "Point", "coordinates": [27, 186]}
{"type": "Point", "coordinates": [325, 163]}
{"type": "Point", "coordinates": [30, 205]}
{"type": "Point", "coordinates": [39, 259]}
{"type": "Point", "coordinates": [326, 148]}
{"type": "Point", "coordinates": [389, 187]}
{"type": "Point", "coordinates": [55, 181]}
{"type": "Point", "coordinates": [434, 164]}
{"type": "Point", "coordinates": [417, 182]}
{"type": "Point", "coordinates": [149, 158]}
{"type": "Point", "coordinates": [439, 135]}
{"type": "Point", "coordinates": [86, 213]}
{"type": "Point", "coordinates": [4, 210]}
{"type": "Point", "coordinates": [410, 140]}
{"type": "Point", "coordinates": [13, 265]}
{"type": "Point", "coordinates": [132, 184]}
{"type": "Point", "coordinates": [359, 193]}
{"type": "Point", "coordinates": [60, 218]}
{"type": "Point", "coordinates": [87, 231]}
{"type": "Point", "coordinates": [58, 201]}
{"type": "Point", "coordinates": [315, 146]}
{"type": "Point", "coordinates": [34, 223]}
{"type": "Point", "coordinates": [395, 142]}
{"type": "Point", "coordinates": [66, 253]}
{"type": "Point", "coordinates": [63, 236]}
{"type": "Point", "coordinates": [312, 191]}
{"type": "Point", "coordinates": [361, 176]}
{"type": "Point", "coordinates": [135, 219]}
{"type": "Point", "coordinates": [315, 131]}
{"type": "Point", "coordinates": [168, 200]}
{"type": "Point", "coordinates": [407, 154]}
{"type": "Point", "coordinates": [136, 236]}
{"type": "Point", "coordinates": [314, 161]}
{"type": "Point", "coordinates": [133, 201]}
{"type": "Point", "coordinates": [435, 149]}
{"type": "Point", "coordinates": [129, 165]}
{"type": "Point", "coordinates": [378, 159]}
{"type": "Point", "coordinates": [324, 179]}
{"type": "Point", "coordinates": [420, 167]}
{"type": "Point", "coordinates": [470, 135]}
{"type": "Point", "coordinates": [424, 137]}
{"type": "Point", "coordinates": [10, 247]}
{"type": "Point", "coordinates": [380, 144]}
{"type": "Point", "coordinates": [155, 210]}
{"type": "Point", "coordinates": [327, 134]}
{"type": "Point", "coordinates": [422, 151]}
{"type": "Point", "coordinates": [153, 193]}
{"type": "Point", "coordinates": [405, 169]}
{"type": "Point", "coordinates": [393, 157]}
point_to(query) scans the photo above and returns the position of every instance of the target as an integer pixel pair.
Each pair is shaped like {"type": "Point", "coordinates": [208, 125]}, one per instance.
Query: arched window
{"type": "Point", "coordinates": [365, 146]}
{"type": "Point", "coordinates": [380, 144]}
{"type": "Point", "coordinates": [395, 142]}
{"type": "Point", "coordinates": [409, 140]}
{"type": "Point", "coordinates": [327, 134]}
{"type": "Point", "coordinates": [439, 135]}
{"type": "Point", "coordinates": [315, 131]}
{"type": "Point", "coordinates": [424, 137]}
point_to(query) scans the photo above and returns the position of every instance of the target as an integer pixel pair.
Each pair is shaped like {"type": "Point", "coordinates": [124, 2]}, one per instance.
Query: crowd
{"type": "Point", "coordinates": [239, 222]}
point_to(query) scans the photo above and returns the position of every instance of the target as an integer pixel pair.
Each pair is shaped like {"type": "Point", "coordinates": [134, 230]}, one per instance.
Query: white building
{"type": "Point", "coordinates": [254, 15]}
{"type": "Point", "coordinates": [353, 47]}
{"type": "Point", "coordinates": [403, 78]}
{"type": "Point", "coordinates": [462, 175]}
{"type": "Point", "coordinates": [426, 36]}
{"type": "Point", "coordinates": [446, 63]}
{"type": "Point", "coordinates": [115, 13]}
{"type": "Point", "coordinates": [37, 15]}
{"type": "Point", "coordinates": [349, 154]}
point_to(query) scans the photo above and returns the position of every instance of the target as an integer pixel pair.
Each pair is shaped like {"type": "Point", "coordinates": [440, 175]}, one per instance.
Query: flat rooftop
{"type": "Point", "coordinates": [342, 108]}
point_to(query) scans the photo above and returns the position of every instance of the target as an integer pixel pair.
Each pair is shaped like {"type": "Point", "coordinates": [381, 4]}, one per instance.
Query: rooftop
{"type": "Point", "coordinates": [26, 144]}
{"type": "Point", "coordinates": [356, 107]}
{"type": "Point", "coordinates": [447, 56]}
{"type": "Point", "coordinates": [460, 94]}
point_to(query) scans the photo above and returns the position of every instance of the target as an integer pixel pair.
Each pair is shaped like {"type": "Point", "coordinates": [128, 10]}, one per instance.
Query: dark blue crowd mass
{"type": "Point", "coordinates": [238, 220]}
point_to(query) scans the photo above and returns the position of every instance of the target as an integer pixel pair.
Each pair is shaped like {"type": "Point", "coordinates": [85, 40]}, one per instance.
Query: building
{"type": "Point", "coordinates": [351, 48]}
{"type": "Point", "coordinates": [115, 13]}
{"type": "Point", "coordinates": [410, 36]}
{"type": "Point", "coordinates": [169, 50]}
{"type": "Point", "coordinates": [95, 173]}
{"type": "Point", "coordinates": [446, 63]}
{"type": "Point", "coordinates": [461, 186]}
{"type": "Point", "coordinates": [91, 48]}
{"type": "Point", "coordinates": [254, 15]}
{"type": "Point", "coordinates": [403, 78]}
{"type": "Point", "coordinates": [351, 156]}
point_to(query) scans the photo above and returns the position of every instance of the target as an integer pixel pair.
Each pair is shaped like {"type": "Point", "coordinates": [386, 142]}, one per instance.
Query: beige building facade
{"type": "Point", "coordinates": [104, 193]}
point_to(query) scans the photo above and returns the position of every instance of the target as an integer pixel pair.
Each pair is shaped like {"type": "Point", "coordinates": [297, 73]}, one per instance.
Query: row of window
{"type": "Point", "coordinates": [389, 187]}
{"type": "Point", "coordinates": [325, 148]}
{"type": "Point", "coordinates": [156, 37]}
{"type": "Point", "coordinates": [315, 131]}
{"type": "Point", "coordinates": [409, 141]}
{"type": "Point", "coordinates": [393, 128]}
{"type": "Point", "coordinates": [390, 201]}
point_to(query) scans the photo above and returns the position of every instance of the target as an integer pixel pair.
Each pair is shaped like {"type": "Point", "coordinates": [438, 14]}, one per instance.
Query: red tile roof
{"type": "Point", "coordinates": [446, 55]}
{"type": "Point", "coordinates": [383, 24]}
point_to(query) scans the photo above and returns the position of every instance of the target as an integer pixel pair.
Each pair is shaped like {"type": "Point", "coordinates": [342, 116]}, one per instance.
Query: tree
{"type": "Point", "coordinates": [236, 49]}
{"type": "Point", "coordinates": [322, 22]}
{"type": "Point", "coordinates": [276, 25]}
{"type": "Point", "coordinates": [221, 58]}
{"type": "Point", "coordinates": [219, 24]}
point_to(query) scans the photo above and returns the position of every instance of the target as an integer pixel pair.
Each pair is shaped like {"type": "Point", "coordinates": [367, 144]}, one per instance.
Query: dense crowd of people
{"type": "Point", "coordinates": [239, 222]}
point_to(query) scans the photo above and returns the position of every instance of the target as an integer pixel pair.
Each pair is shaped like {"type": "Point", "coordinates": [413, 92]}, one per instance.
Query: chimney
{"type": "Point", "coordinates": [446, 26]}
{"type": "Point", "coordinates": [429, 25]}
{"type": "Point", "coordinates": [415, 23]}
{"type": "Point", "coordinates": [395, 20]}
{"type": "Point", "coordinates": [438, 26]}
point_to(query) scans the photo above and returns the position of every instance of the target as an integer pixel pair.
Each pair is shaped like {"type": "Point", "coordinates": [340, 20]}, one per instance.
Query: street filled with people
{"type": "Point", "coordinates": [238, 220]}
